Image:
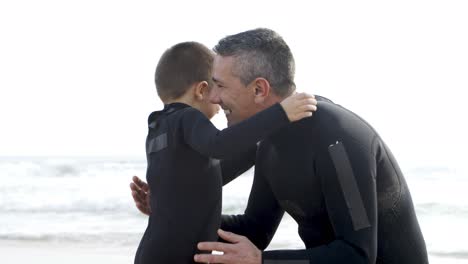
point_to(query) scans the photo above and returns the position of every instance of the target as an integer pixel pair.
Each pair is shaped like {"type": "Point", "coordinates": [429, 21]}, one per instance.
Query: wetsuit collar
{"type": "Point", "coordinates": [169, 108]}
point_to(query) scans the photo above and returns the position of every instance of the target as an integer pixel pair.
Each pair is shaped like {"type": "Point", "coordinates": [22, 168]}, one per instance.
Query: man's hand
{"type": "Point", "coordinates": [141, 195]}
{"type": "Point", "coordinates": [241, 251]}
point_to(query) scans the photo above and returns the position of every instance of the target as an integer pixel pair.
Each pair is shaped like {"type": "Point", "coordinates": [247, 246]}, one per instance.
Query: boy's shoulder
{"type": "Point", "coordinates": [176, 112]}
{"type": "Point", "coordinates": [153, 117]}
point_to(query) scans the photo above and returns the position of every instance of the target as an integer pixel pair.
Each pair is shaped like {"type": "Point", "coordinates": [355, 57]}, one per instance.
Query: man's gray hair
{"type": "Point", "coordinates": [260, 53]}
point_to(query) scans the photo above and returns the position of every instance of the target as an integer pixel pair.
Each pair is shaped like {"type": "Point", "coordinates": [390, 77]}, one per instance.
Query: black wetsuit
{"type": "Point", "coordinates": [336, 177]}
{"type": "Point", "coordinates": [184, 177]}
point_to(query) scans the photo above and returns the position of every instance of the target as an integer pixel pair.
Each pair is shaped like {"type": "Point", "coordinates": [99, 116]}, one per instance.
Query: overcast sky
{"type": "Point", "coordinates": [76, 77]}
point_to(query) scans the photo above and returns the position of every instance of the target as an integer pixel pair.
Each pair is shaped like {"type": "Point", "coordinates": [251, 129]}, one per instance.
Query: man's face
{"type": "Point", "coordinates": [236, 99]}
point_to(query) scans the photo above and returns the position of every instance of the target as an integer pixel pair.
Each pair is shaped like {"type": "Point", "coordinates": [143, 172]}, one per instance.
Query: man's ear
{"type": "Point", "coordinates": [200, 90]}
{"type": "Point", "coordinates": [262, 89]}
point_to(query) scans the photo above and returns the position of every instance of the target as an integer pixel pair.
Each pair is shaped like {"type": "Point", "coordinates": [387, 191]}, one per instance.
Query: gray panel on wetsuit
{"type": "Point", "coordinates": [349, 186]}
{"type": "Point", "coordinates": [158, 143]}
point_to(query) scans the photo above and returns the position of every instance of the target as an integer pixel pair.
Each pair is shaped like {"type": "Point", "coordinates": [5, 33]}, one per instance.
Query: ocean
{"type": "Point", "coordinates": [87, 201]}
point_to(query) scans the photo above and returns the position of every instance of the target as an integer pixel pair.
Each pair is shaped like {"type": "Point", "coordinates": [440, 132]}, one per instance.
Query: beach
{"type": "Point", "coordinates": [79, 210]}
{"type": "Point", "coordinates": [21, 252]}
{"type": "Point", "coordinates": [26, 252]}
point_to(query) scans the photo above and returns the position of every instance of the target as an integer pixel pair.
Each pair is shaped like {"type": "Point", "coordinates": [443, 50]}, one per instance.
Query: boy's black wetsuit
{"type": "Point", "coordinates": [336, 177]}
{"type": "Point", "coordinates": [184, 177]}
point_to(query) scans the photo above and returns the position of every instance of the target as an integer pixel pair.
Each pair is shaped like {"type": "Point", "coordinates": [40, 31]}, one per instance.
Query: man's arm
{"type": "Point", "coordinates": [249, 233]}
{"type": "Point", "coordinates": [141, 195]}
{"type": "Point", "coordinates": [262, 216]}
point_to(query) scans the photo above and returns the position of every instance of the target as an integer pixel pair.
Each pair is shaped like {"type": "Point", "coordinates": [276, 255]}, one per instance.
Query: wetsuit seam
{"type": "Point", "coordinates": [374, 141]}
{"type": "Point", "coordinates": [397, 201]}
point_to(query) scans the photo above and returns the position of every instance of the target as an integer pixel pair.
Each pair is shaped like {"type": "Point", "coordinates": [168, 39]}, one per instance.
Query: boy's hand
{"type": "Point", "coordinates": [299, 105]}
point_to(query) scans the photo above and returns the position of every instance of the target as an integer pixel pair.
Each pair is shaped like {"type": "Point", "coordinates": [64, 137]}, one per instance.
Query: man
{"type": "Point", "coordinates": [332, 173]}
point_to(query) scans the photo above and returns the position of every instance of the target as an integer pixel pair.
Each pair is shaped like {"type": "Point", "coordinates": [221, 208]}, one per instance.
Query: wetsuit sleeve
{"type": "Point", "coordinates": [232, 168]}
{"type": "Point", "coordinates": [261, 217]}
{"type": "Point", "coordinates": [205, 138]}
{"type": "Point", "coordinates": [348, 183]}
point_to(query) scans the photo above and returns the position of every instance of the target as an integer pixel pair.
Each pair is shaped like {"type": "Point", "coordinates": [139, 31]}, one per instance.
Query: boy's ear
{"type": "Point", "coordinates": [261, 89]}
{"type": "Point", "coordinates": [200, 89]}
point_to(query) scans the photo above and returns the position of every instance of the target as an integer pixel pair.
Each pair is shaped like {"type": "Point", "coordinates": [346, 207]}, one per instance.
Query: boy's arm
{"type": "Point", "coordinates": [205, 138]}
{"type": "Point", "coordinates": [232, 168]}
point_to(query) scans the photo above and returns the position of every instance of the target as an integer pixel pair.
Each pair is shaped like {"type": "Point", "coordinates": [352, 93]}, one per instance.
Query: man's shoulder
{"type": "Point", "coordinates": [320, 98]}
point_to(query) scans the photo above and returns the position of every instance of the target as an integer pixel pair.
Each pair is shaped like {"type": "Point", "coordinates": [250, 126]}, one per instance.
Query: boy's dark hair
{"type": "Point", "coordinates": [181, 66]}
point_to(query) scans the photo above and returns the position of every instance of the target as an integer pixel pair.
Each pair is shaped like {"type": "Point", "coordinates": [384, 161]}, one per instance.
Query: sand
{"type": "Point", "coordinates": [26, 252]}
{"type": "Point", "coordinates": [50, 253]}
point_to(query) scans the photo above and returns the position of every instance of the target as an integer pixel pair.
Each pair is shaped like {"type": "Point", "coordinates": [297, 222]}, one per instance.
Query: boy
{"type": "Point", "coordinates": [182, 148]}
